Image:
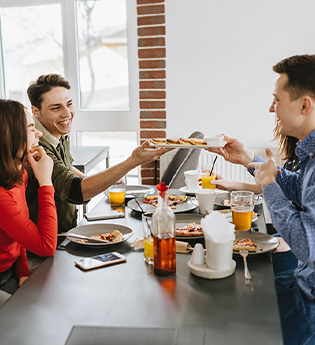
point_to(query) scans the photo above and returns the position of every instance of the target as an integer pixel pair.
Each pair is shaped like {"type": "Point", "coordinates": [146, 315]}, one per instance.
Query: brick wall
{"type": "Point", "coordinates": [152, 74]}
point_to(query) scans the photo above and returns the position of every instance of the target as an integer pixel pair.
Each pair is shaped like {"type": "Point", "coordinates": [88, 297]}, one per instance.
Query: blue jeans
{"type": "Point", "coordinates": [297, 312]}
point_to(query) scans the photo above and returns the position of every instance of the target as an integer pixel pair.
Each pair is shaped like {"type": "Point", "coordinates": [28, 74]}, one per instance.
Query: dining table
{"type": "Point", "coordinates": [127, 303]}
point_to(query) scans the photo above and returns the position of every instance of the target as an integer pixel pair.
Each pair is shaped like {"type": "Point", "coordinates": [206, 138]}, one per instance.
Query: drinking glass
{"type": "Point", "coordinates": [147, 238]}
{"type": "Point", "coordinates": [242, 205]}
{"type": "Point", "coordinates": [116, 193]}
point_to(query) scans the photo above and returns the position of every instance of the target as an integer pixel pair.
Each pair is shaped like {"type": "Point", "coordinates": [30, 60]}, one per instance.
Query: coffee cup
{"type": "Point", "coordinates": [191, 179]}
{"type": "Point", "coordinates": [205, 199]}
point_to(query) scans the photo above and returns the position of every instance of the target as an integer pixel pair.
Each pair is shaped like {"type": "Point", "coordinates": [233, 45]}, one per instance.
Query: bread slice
{"type": "Point", "coordinates": [195, 141]}
{"type": "Point", "coordinates": [173, 141]}
{"type": "Point", "coordinates": [158, 141]}
{"type": "Point", "coordinates": [185, 141]}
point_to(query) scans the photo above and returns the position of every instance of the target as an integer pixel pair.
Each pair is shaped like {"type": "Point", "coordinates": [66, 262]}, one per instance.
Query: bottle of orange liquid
{"type": "Point", "coordinates": [163, 231]}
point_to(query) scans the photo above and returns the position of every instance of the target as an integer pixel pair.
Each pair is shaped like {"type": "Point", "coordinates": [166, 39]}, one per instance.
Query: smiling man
{"type": "Point", "coordinates": [294, 107]}
{"type": "Point", "coordinates": [53, 110]}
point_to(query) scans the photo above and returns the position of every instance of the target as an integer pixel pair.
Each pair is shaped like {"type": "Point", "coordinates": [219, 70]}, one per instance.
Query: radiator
{"type": "Point", "coordinates": [227, 170]}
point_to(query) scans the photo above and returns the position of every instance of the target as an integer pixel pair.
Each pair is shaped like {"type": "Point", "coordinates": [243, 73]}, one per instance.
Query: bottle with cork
{"type": "Point", "coordinates": [163, 231]}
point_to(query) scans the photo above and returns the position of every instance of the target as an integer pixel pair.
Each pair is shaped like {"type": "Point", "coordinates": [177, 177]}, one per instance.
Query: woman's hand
{"type": "Point", "coordinates": [41, 164]}
{"type": "Point", "coordinates": [22, 280]}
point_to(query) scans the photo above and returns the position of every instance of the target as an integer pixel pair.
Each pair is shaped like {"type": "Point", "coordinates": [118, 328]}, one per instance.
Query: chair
{"type": "Point", "coordinates": [184, 159]}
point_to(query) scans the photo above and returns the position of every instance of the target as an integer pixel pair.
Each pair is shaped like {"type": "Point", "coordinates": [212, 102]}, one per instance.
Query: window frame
{"type": "Point", "coordinates": [90, 119]}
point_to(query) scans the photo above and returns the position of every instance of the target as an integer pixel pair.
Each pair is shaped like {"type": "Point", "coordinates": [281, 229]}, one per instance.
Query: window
{"type": "Point", "coordinates": [102, 39]}
{"type": "Point", "coordinates": [94, 45]}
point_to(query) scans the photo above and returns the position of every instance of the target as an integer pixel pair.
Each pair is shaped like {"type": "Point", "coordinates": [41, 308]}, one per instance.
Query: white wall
{"type": "Point", "coordinates": [219, 62]}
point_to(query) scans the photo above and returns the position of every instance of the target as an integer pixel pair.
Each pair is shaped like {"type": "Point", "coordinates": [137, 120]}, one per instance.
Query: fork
{"type": "Point", "coordinates": [248, 277]}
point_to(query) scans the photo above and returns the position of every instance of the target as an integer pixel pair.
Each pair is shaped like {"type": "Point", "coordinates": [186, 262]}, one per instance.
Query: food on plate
{"type": "Point", "coordinates": [245, 244]}
{"type": "Point", "coordinates": [158, 141]}
{"type": "Point", "coordinates": [184, 141]}
{"type": "Point", "coordinates": [191, 229]}
{"type": "Point", "coordinates": [173, 141]}
{"type": "Point", "coordinates": [173, 200]}
{"type": "Point", "coordinates": [226, 202]}
{"type": "Point", "coordinates": [195, 141]}
{"type": "Point", "coordinates": [115, 236]}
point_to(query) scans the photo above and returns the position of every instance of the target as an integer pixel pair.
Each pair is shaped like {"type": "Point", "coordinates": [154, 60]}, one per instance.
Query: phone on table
{"type": "Point", "coordinates": [100, 260]}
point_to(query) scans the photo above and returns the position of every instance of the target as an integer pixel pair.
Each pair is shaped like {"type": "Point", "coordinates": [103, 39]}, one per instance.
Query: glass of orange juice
{"type": "Point", "coordinates": [147, 238]}
{"type": "Point", "coordinates": [116, 193]}
{"type": "Point", "coordinates": [206, 178]}
{"type": "Point", "coordinates": [242, 205]}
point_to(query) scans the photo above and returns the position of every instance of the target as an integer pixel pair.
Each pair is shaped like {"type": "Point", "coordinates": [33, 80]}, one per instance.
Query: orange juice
{"type": "Point", "coordinates": [148, 249]}
{"type": "Point", "coordinates": [205, 179]}
{"type": "Point", "coordinates": [117, 197]}
{"type": "Point", "coordinates": [242, 218]}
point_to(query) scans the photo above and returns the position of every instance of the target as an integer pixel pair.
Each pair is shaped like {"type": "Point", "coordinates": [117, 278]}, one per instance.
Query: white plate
{"type": "Point", "coordinates": [223, 195]}
{"type": "Point", "coordinates": [228, 214]}
{"type": "Point", "coordinates": [186, 191]}
{"type": "Point", "coordinates": [135, 190]}
{"type": "Point", "coordinates": [183, 207]}
{"type": "Point", "coordinates": [265, 242]}
{"type": "Point", "coordinates": [96, 229]}
{"type": "Point", "coordinates": [181, 146]}
{"type": "Point", "coordinates": [182, 220]}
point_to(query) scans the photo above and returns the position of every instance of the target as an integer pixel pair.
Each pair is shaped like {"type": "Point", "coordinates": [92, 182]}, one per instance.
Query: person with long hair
{"type": "Point", "coordinates": [19, 147]}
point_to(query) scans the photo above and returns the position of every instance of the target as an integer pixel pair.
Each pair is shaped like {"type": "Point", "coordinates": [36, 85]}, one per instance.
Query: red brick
{"type": "Point", "coordinates": [152, 94]}
{"type": "Point", "coordinates": [143, 64]}
{"type": "Point", "coordinates": [151, 42]}
{"type": "Point", "coordinates": [147, 172]}
{"type": "Point", "coordinates": [152, 134]}
{"type": "Point", "coordinates": [151, 31]}
{"type": "Point", "coordinates": [150, 165]}
{"type": "Point", "coordinates": [153, 114]}
{"type": "Point", "coordinates": [152, 84]}
{"type": "Point", "coordinates": [145, 2]}
{"type": "Point", "coordinates": [152, 104]}
{"type": "Point", "coordinates": [156, 74]}
{"type": "Point", "coordinates": [151, 20]}
{"type": "Point", "coordinates": [149, 181]}
{"type": "Point", "coordinates": [153, 124]}
{"type": "Point", "coordinates": [154, 9]}
{"type": "Point", "coordinates": [152, 53]}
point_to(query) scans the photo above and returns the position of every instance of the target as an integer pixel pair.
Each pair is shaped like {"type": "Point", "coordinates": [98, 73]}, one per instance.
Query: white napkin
{"type": "Point", "coordinates": [217, 228]}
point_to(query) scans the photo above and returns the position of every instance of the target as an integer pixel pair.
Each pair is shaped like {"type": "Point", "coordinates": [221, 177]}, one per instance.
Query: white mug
{"type": "Point", "coordinates": [191, 179]}
{"type": "Point", "coordinates": [205, 199]}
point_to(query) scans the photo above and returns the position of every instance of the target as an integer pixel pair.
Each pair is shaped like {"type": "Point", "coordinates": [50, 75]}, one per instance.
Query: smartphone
{"type": "Point", "coordinates": [108, 215]}
{"type": "Point", "coordinates": [100, 261]}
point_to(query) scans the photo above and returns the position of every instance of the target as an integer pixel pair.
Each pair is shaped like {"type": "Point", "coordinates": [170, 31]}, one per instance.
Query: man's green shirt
{"type": "Point", "coordinates": [62, 178]}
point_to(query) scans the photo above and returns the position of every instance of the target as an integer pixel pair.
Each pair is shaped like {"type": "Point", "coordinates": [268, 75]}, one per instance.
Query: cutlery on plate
{"type": "Point", "coordinates": [82, 237]}
{"type": "Point", "coordinates": [248, 277]}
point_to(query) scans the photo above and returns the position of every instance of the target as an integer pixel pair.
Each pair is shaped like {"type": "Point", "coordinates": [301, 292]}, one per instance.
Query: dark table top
{"type": "Point", "coordinates": [59, 296]}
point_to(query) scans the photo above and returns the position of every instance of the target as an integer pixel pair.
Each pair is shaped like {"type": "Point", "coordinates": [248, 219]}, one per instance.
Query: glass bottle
{"type": "Point", "coordinates": [163, 231]}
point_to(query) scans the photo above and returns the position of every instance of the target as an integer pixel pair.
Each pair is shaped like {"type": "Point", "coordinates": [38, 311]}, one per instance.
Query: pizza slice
{"type": "Point", "coordinates": [115, 236]}
{"type": "Point", "coordinates": [245, 243]}
{"type": "Point", "coordinates": [190, 230]}
{"type": "Point", "coordinates": [158, 141]}
{"type": "Point", "coordinates": [195, 141]}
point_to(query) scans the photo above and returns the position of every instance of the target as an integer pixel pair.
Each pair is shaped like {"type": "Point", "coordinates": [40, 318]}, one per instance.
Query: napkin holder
{"type": "Point", "coordinates": [205, 272]}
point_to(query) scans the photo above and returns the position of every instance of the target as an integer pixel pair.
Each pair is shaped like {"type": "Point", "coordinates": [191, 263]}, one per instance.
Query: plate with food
{"type": "Point", "coordinates": [222, 199]}
{"type": "Point", "coordinates": [228, 214]}
{"type": "Point", "coordinates": [255, 242]}
{"type": "Point", "coordinates": [148, 203]}
{"type": "Point", "coordinates": [188, 143]}
{"type": "Point", "coordinates": [187, 226]}
{"type": "Point", "coordinates": [113, 233]}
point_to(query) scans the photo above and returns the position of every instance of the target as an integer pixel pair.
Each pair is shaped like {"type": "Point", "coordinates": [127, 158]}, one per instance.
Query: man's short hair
{"type": "Point", "coordinates": [43, 84]}
{"type": "Point", "coordinates": [300, 70]}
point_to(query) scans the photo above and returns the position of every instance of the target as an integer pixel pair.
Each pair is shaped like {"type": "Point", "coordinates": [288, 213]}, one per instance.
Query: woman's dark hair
{"type": "Point", "coordinates": [13, 138]}
{"type": "Point", "coordinates": [286, 144]}
{"type": "Point", "coordinates": [43, 84]}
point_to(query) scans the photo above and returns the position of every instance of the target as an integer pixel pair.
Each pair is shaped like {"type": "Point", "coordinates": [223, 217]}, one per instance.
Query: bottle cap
{"type": "Point", "coordinates": [162, 188]}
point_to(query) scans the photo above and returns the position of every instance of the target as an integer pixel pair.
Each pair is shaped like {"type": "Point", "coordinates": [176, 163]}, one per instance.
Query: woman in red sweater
{"type": "Point", "coordinates": [18, 146]}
